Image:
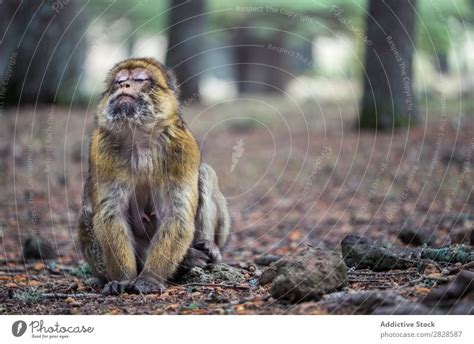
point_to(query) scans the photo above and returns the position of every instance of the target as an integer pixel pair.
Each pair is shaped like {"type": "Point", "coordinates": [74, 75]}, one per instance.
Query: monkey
{"type": "Point", "coordinates": [212, 223]}
{"type": "Point", "coordinates": [151, 209]}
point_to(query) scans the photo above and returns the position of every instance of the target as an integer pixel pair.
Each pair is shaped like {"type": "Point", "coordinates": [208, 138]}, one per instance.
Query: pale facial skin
{"type": "Point", "coordinates": [128, 93]}
{"type": "Point", "coordinates": [130, 83]}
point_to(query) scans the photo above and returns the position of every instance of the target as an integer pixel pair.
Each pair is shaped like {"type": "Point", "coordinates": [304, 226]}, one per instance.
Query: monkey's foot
{"type": "Point", "coordinates": [195, 258]}
{"type": "Point", "coordinates": [143, 285]}
{"type": "Point", "coordinates": [210, 249]}
{"type": "Point", "coordinates": [115, 288]}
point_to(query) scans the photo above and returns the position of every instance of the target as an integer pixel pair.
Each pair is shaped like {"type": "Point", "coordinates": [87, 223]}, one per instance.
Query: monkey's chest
{"type": "Point", "coordinates": [145, 211]}
{"type": "Point", "coordinates": [141, 163]}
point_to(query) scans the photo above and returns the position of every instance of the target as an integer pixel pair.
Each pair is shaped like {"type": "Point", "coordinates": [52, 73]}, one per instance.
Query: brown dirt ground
{"type": "Point", "coordinates": [305, 176]}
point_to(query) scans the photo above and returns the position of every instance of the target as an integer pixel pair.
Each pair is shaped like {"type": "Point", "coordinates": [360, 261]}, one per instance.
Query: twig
{"type": "Point", "coordinates": [8, 274]}
{"type": "Point", "coordinates": [65, 296]}
{"type": "Point", "coordinates": [10, 269]}
{"type": "Point", "coordinates": [214, 285]}
{"type": "Point", "coordinates": [10, 260]}
{"type": "Point", "coordinates": [468, 266]}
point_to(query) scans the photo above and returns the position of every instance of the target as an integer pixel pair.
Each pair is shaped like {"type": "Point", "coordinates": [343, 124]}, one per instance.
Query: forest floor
{"type": "Point", "coordinates": [293, 176]}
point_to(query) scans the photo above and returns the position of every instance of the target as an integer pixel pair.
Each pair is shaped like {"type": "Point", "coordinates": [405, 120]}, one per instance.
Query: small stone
{"type": "Point", "coordinates": [214, 273]}
{"type": "Point", "coordinates": [305, 276]}
{"type": "Point", "coordinates": [461, 235]}
{"type": "Point", "coordinates": [363, 253]}
{"type": "Point", "coordinates": [404, 308]}
{"type": "Point", "coordinates": [36, 247]}
{"type": "Point", "coordinates": [266, 259]}
{"type": "Point", "coordinates": [416, 236]}
{"type": "Point", "coordinates": [359, 302]}
{"type": "Point", "coordinates": [460, 288]}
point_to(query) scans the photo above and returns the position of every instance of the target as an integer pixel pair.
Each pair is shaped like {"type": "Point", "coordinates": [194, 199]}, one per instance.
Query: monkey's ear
{"type": "Point", "coordinates": [172, 81]}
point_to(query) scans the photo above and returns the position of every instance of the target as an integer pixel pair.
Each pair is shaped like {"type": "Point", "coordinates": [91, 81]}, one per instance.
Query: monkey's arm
{"type": "Point", "coordinates": [173, 238]}
{"type": "Point", "coordinates": [113, 233]}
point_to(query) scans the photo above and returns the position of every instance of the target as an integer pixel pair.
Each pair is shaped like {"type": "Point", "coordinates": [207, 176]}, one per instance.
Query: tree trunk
{"type": "Point", "coordinates": [42, 51]}
{"type": "Point", "coordinates": [184, 48]}
{"type": "Point", "coordinates": [261, 69]}
{"type": "Point", "coordinates": [388, 100]}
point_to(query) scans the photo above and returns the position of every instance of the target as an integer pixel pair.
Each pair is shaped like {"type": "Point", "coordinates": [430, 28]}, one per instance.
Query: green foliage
{"type": "Point", "coordinates": [450, 254]}
{"type": "Point", "coordinates": [143, 15]}
{"type": "Point", "coordinates": [191, 307]}
{"type": "Point", "coordinates": [28, 295]}
{"type": "Point", "coordinates": [82, 271]}
{"type": "Point", "coordinates": [303, 18]}
{"type": "Point", "coordinates": [434, 32]}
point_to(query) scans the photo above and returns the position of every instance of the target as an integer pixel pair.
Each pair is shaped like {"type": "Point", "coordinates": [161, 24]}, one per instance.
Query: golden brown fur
{"type": "Point", "coordinates": [145, 185]}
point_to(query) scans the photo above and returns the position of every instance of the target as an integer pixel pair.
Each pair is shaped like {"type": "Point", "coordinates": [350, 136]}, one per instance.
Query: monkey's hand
{"type": "Point", "coordinates": [210, 249]}
{"type": "Point", "coordinates": [145, 285]}
{"type": "Point", "coordinates": [195, 258]}
{"type": "Point", "coordinates": [115, 287]}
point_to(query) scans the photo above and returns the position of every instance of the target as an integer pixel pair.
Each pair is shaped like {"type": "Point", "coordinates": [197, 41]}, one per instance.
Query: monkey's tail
{"type": "Point", "coordinates": [222, 233]}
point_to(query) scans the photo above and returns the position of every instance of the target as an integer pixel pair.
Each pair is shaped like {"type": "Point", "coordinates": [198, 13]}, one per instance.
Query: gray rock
{"type": "Point", "coordinates": [36, 247]}
{"type": "Point", "coordinates": [463, 309]}
{"type": "Point", "coordinates": [305, 276]}
{"type": "Point", "coordinates": [364, 253]}
{"type": "Point", "coordinates": [362, 302]}
{"type": "Point", "coordinates": [462, 235]}
{"type": "Point", "coordinates": [416, 236]}
{"type": "Point", "coordinates": [454, 293]}
{"type": "Point", "coordinates": [405, 308]}
{"type": "Point", "coordinates": [214, 273]}
{"type": "Point", "coordinates": [266, 259]}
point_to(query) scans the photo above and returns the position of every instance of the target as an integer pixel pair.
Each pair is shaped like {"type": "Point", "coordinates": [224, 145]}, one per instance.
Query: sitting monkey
{"type": "Point", "coordinates": [150, 206]}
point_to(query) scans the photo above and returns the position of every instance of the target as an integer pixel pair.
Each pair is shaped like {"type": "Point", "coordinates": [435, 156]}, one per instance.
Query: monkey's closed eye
{"type": "Point", "coordinates": [141, 79]}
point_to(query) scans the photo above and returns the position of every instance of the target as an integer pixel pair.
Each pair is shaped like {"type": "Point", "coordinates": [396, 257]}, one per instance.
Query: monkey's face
{"type": "Point", "coordinates": [140, 93]}
{"type": "Point", "coordinates": [129, 97]}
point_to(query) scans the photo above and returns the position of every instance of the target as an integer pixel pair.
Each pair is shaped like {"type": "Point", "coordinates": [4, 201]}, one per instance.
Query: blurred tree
{"type": "Point", "coordinates": [41, 50]}
{"type": "Point", "coordinates": [388, 99]}
{"type": "Point", "coordinates": [186, 43]}
{"type": "Point", "coordinates": [261, 69]}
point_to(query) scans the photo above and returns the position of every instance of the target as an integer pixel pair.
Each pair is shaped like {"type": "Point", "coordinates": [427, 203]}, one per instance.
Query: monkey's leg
{"type": "Point", "coordinates": [223, 223]}
{"type": "Point", "coordinates": [89, 244]}
{"type": "Point", "coordinates": [212, 218]}
{"type": "Point", "coordinates": [206, 216]}
{"type": "Point", "coordinates": [212, 224]}
{"type": "Point", "coordinates": [113, 234]}
{"type": "Point", "coordinates": [171, 241]}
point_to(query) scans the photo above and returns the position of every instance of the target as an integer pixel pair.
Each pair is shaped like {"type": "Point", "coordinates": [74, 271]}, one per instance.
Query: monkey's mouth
{"type": "Point", "coordinates": [126, 105]}
{"type": "Point", "coordinates": [126, 96]}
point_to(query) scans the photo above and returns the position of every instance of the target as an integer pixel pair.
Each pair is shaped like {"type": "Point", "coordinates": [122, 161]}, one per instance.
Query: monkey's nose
{"type": "Point", "coordinates": [125, 84]}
